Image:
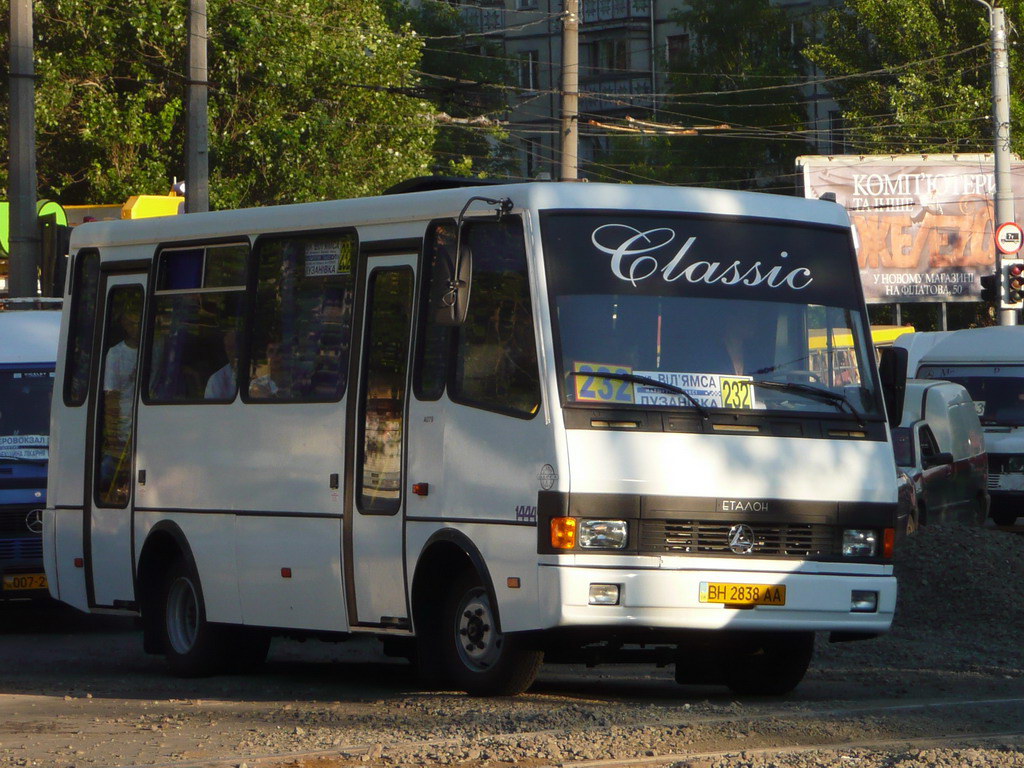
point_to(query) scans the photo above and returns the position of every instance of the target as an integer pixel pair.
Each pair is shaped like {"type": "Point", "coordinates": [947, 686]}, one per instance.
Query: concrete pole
{"type": "Point", "coordinates": [24, 227]}
{"type": "Point", "coordinates": [570, 91]}
{"type": "Point", "coordinates": [197, 136]}
{"type": "Point", "coordinates": [1001, 131]}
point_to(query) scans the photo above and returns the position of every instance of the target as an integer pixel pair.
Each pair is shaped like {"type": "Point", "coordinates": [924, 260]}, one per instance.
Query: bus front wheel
{"type": "Point", "coordinates": [769, 663]}
{"type": "Point", "coordinates": [478, 658]}
{"type": "Point", "coordinates": [193, 647]}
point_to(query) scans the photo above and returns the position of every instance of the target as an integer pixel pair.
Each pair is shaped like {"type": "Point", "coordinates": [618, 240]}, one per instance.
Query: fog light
{"type": "Point", "coordinates": [604, 594]}
{"type": "Point", "coordinates": [859, 543]}
{"type": "Point", "coordinates": [862, 601]}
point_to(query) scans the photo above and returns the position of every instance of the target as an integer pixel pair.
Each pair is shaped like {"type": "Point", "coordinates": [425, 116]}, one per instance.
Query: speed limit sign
{"type": "Point", "coordinates": [1009, 237]}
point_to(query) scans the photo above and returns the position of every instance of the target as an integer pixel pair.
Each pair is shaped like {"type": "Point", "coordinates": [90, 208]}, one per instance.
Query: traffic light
{"type": "Point", "coordinates": [989, 288]}
{"type": "Point", "coordinates": [1013, 283]}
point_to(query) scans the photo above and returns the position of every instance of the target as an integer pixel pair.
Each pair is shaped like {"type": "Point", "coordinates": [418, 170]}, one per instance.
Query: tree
{"type": "Point", "coordinates": [310, 99]}
{"type": "Point", "coordinates": [914, 75]}
{"type": "Point", "coordinates": [741, 68]}
{"type": "Point", "coordinates": [462, 75]}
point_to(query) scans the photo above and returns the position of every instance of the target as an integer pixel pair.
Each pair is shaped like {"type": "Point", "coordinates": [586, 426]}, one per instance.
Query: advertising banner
{"type": "Point", "coordinates": [925, 223]}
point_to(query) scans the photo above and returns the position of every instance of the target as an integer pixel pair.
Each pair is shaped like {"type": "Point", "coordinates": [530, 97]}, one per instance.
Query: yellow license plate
{"type": "Point", "coordinates": [25, 581]}
{"type": "Point", "coordinates": [742, 594]}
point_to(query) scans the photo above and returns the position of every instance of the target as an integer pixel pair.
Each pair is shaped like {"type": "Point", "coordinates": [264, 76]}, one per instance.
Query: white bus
{"type": "Point", "coordinates": [485, 424]}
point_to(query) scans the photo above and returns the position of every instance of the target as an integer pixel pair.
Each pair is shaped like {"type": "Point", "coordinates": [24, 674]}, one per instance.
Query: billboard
{"type": "Point", "coordinates": [925, 223]}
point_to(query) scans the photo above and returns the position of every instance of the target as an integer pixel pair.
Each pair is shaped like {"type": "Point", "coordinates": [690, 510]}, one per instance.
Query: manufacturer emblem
{"type": "Point", "coordinates": [34, 521]}
{"type": "Point", "coordinates": [547, 477]}
{"type": "Point", "coordinates": [741, 539]}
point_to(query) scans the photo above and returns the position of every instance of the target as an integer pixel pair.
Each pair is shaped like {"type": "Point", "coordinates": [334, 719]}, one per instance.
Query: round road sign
{"type": "Point", "coordinates": [1009, 237]}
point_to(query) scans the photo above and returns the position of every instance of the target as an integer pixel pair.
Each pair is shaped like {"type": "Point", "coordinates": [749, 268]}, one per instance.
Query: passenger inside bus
{"type": "Point", "coordinates": [221, 384]}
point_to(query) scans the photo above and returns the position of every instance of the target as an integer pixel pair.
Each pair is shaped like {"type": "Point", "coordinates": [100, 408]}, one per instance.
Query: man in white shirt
{"type": "Point", "coordinates": [221, 384]}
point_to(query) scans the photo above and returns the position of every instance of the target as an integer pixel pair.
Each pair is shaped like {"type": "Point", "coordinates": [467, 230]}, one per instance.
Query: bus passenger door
{"type": "Point", "coordinates": [111, 443]}
{"type": "Point", "coordinates": [374, 519]}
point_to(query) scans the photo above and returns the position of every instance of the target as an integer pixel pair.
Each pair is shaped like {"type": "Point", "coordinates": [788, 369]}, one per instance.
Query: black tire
{"type": "Point", "coordinates": [193, 647]}
{"type": "Point", "coordinates": [1004, 516]}
{"type": "Point", "coordinates": [770, 663]}
{"type": "Point", "coordinates": [475, 656]}
{"type": "Point", "coordinates": [248, 649]}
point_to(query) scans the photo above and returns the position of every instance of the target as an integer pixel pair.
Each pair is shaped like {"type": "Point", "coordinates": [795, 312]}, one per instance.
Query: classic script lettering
{"type": "Point", "coordinates": [634, 258]}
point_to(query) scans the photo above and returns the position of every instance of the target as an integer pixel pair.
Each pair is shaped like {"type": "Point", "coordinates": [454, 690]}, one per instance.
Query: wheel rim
{"type": "Point", "coordinates": [476, 637]}
{"type": "Point", "coordinates": [182, 615]}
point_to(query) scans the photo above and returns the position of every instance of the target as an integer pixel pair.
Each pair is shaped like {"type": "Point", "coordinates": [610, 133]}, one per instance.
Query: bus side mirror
{"type": "Point", "coordinates": [892, 370]}
{"type": "Point", "coordinates": [451, 300]}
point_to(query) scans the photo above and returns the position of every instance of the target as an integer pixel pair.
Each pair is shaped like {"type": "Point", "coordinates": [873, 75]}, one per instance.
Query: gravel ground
{"type": "Point", "coordinates": [951, 669]}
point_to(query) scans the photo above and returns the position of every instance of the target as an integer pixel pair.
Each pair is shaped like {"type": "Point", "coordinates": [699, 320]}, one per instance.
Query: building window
{"type": "Point", "coordinates": [532, 151]}
{"type": "Point", "coordinates": [836, 134]}
{"type": "Point", "coordinates": [677, 47]}
{"type": "Point", "coordinates": [529, 70]}
{"type": "Point", "coordinates": [525, 4]}
{"type": "Point", "coordinates": [610, 55]}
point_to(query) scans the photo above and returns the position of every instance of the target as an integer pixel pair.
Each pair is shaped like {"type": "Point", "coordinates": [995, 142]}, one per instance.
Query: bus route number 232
{"type": "Point", "coordinates": [597, 388]}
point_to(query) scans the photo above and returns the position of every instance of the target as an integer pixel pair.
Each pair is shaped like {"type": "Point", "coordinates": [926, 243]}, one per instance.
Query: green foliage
{"type": "Point", "coordinates": [740, 69]}
{"type": "Point", "coordinates": [923, 94]}
{"type": "Point", "coordinates": [457, 71]}
{"type": "Point", "coordinates": [310, 99]}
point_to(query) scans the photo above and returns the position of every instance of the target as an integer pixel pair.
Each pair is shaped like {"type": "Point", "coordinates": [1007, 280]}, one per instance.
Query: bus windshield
{"type": "Point", "coordinates": [740, 316]}
{"type": "Point", "coordinates": [997, 390]}
{"type": "Point", "coordinates": [25, 413]}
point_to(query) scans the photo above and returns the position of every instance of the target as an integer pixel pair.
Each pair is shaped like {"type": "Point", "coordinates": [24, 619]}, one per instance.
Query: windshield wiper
{"type": "Point", "coordinates": [632, 377]}
{"type": "Point", "coordinates": [822, 394]}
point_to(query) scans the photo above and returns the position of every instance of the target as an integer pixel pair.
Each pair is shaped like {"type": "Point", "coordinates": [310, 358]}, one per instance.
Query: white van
{"type": "Point", "coordinates": [940, 445]}
{"type": "Point", "coordinates": [989, 363]}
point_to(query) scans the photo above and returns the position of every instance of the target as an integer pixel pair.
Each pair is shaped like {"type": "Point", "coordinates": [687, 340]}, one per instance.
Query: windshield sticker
{"type": "Point", "coordinates": [632, 261]}
{"type": "Point", "coordinates": [322, 259]}
{"type": "Point", "coordinates": [712, 390]}
{"type": "Point", "coordinates": [979, 407]}
{"type": "Point", "coordinates": [24, 446]}
{"type": "Point", "coordinates": [597, 389]}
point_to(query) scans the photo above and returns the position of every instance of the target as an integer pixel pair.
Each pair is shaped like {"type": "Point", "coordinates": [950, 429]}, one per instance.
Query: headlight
{"type": "Point", "coordinates": [859, 543]}
{"type": "Point", "coordinates": [602, 534]}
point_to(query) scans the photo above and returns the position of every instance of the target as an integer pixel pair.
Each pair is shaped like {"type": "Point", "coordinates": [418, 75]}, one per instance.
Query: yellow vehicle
{"type": "Point", "coordinates": [833, 359]}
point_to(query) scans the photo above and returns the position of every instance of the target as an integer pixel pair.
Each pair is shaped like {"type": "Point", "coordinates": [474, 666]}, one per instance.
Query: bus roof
{"type": "Point", "coordinates": [444, 203]}
{"type": "Point", "coordinates": [29, 336]}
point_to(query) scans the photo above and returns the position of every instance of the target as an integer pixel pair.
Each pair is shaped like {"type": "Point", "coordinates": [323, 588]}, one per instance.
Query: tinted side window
{"type": "Point", "coordinates": [303, 318]}
{"type": "Point", "coordinates": [83, 324]}
{"type": "Point", "coordinates": [496, 359]}
{"type": "Point", "coordinates": [434, 343]}
{"type": "Point", "coordinates": [199, 304]}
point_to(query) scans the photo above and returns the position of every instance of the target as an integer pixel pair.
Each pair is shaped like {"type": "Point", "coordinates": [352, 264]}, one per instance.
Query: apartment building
{"type": "Point", "coordinates": [625, 47]}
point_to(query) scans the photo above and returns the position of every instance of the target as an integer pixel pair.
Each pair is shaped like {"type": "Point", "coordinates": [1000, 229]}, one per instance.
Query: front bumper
{"type": "Point", "coordinates": [667, 597]}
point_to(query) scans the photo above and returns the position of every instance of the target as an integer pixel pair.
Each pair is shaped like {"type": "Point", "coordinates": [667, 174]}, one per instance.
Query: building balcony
{"type": "Point", "coordinates": [601, 11]}
{"type": "Point", "coordinates": [617, 94]}
{"type": "Point", "coordinates": [484, 18]}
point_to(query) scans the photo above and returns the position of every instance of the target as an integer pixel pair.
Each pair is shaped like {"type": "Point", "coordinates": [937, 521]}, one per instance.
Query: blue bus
{"type": "Point", "coordinates": [28, 347]}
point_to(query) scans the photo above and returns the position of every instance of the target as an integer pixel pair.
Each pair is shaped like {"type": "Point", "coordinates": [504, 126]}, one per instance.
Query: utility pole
{"type": "Point", "coordinates": [197, 135]}
{"type": "Point", "coordinates": [570, 91]}
{"type": "Point", "coordinates": [23, 265]}
{"type": "Point", "coordinates": [1004, 209]}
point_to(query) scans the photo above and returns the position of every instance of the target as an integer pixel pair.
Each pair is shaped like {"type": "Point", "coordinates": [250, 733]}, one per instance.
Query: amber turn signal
{"type": "Point", "coordinates": [563, 532]}
{"type": "Point", "coordinates": [888, 542]}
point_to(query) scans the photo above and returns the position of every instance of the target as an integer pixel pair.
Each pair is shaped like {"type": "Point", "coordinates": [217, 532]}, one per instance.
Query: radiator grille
{"type": "Point", "coordinates": [697, 537]}
{"type": "Point", "coordinates": [12, 519]}
{"type": "Point", "coordinates": [21, 549]}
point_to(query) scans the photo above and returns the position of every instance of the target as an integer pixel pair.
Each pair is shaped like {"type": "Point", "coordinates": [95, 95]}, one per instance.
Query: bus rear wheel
{"type": "Point", "coordinates": [769, 663]}
{"type": "Point", "coordinates": [193, 646]}
{"type": "Point", "coordinates": [477, 657]}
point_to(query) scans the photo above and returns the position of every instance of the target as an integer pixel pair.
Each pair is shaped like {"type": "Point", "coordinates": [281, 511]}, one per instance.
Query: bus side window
{"type": "Point", "coordinates": [496, 360]}
{"type": "Point", "coordinates": [434, 343]}
{"type": "Point", "coordinates": [199, 302]}
{"type": "Point", "coordinates": [302, 318]}
{"type": "Point", "coordinates": [84, 301]}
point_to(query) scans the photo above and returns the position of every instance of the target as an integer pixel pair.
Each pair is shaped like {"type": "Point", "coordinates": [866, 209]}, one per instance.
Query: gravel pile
{"type": "Point", "coordinates": [857, 758]}
{"type": "Point", "coordinates": [961, 577]}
